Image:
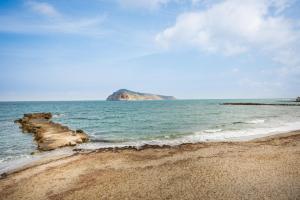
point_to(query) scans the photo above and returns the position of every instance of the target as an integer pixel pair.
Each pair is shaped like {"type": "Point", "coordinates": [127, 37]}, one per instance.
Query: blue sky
{"type": "Point", "coordinates": [75, 50]}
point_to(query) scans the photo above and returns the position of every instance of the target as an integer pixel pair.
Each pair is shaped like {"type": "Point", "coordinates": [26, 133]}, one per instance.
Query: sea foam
{"type": "Point", "coordinates": [210, 135]}
{"type": "Point", "coordinates": [202, 136]}
{"type": "Point", "coordinates": [256, 121]}
{"type": "Point", "coordinates": [212, 130]}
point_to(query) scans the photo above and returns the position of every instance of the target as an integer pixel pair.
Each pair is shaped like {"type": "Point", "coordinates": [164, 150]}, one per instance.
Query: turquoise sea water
{"type": "Point", "coordinates": [153, 122]}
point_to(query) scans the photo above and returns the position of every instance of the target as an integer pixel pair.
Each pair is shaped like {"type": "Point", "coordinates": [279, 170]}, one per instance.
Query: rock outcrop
{"type": "Point", "coordinates": [127, 95]}
{"type": "Point", "coordinates": [261, 104]}
{"type": "Point", "coordinates": [50, 135]}
{"type": "Point", "coordinates": [298, 99]}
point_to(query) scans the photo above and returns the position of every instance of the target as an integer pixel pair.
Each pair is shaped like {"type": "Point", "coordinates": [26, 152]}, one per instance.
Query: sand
{"type": "Point", "coordinates": [267, 168]}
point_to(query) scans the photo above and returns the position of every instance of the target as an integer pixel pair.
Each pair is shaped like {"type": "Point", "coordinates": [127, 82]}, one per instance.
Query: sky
{"type": "Point", "coordinates": [191, 49]}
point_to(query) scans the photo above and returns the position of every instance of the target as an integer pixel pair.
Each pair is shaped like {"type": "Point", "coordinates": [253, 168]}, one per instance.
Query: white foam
{"type": "Point", "coordinates": [202, 136]}
{"type": "Point", "coordinates": [23, 160]}
{"type": "Point", "coordinates": [243, 135]}
{"type": "Point", "coordinates": [256, 121]}
{"type": "Point", "coordinates": [212, 130]}
{"type": "Point", "coordinates": [58, 115]}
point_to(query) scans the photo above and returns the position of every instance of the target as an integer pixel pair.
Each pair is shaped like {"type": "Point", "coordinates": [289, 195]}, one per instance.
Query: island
{"type": "Point", "coordinates": [50, 135]}
{"type": "Point", "coordinates": [127, 95]}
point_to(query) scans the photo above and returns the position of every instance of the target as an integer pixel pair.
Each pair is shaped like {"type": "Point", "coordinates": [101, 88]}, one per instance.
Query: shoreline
{"type": "Point", "coordinates": [53, 156]}
{"type": "Point", "coordinates": [266, 154]}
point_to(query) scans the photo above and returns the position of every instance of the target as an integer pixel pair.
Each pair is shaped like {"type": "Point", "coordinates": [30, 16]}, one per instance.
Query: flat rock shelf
{"type": "Point", "coordinates": [261, 104]}
{"type": "Point", "coordinates": [50, 135]}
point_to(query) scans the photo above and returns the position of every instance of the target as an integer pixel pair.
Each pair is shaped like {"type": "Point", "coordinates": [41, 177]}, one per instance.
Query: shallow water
{"type": "Point", "coordinates": [152, 122]}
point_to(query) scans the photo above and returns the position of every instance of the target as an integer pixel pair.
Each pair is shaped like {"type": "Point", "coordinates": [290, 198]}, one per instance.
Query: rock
{"type": "Point", "coordinates": [50, 135]}
{"type": "Point", "coordinates": [72, 143]}
{"type": "Point", "coordinates": [260, 104]}
{"type": "Point", "coordinates": [298, 99]}
{"type": "Point", "coordinates": [79, 131]}
{"type": "Point", "coordinates": [4, 175]}
{"type": "Point", "coordinates": [127, 95]}
{"type": "Point", "coordinates": [38, 116]}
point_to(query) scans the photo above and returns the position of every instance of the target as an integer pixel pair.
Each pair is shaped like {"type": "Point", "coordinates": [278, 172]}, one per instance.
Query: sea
{"type": "Point", "coordinates": [136, 123]}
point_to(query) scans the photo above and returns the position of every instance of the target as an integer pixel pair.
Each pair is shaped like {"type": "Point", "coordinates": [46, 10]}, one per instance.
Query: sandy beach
{"type": "Point", "coordinates": [267, 168]}
{"type": "Point", "coordinates": [149, 100]}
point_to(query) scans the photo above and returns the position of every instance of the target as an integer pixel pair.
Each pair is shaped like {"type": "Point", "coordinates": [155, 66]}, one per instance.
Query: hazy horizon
{"type": "Point", "coordinates": [58, 100]}
{"type": "Point", "coordinates": [190, 49]}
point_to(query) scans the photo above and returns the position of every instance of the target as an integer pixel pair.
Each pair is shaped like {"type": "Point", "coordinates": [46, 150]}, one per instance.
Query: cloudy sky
{"type": "Point", "coordinates": [74, 49]}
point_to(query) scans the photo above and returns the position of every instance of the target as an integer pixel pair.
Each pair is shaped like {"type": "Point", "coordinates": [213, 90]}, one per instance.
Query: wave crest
{"type": "Point", "coordinates": [212, 130]}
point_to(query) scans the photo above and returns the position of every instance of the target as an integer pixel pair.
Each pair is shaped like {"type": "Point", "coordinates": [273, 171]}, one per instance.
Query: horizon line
{"type": "Point", "coordinates": [73, 100]}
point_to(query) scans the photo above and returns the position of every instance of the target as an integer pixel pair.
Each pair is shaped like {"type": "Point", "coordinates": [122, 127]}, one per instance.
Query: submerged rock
{"type": "Point", "coordinates": [127, 95]}
{"type": "Point", "coordinates": [50, 135]}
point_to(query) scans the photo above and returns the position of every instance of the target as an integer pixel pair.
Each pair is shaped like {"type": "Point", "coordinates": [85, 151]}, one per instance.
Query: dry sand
{"type": "Point", "coordinates": [268, 168]}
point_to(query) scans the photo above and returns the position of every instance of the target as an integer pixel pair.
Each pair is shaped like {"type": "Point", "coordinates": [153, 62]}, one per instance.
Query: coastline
{"type": "Point", "coordinates": [77, 175]}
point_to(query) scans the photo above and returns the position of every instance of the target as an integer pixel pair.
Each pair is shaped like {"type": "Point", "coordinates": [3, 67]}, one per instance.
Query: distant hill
{"type": "Point", "coordinates": [127, 95]}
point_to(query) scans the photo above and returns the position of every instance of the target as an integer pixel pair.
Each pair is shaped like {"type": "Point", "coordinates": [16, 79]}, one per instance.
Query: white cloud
{"type": "Point", "coordinates": [43, 8]}
{"type": "Point", "coordinates": [82, 26]}
{"type": "Point", "coordinates": [156, 4]}
{"type": "Point", "coordinates": [147, 4]}
{"type": "Point", "coordinates": [233, 27]}
{"type": "Point", "coordinates": [53, 22]}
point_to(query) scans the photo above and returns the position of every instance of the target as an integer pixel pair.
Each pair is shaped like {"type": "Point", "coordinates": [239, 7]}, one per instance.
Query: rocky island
{"type": "Point", "coordinates": [50, 135]}
{"type": "Point", "coordinates": [127, 95]}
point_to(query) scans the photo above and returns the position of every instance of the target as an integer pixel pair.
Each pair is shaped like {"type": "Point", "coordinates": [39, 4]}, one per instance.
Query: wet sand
{"type": "Point", "coordinates": [267, 168]}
